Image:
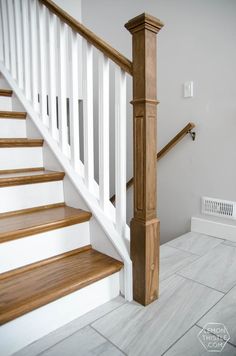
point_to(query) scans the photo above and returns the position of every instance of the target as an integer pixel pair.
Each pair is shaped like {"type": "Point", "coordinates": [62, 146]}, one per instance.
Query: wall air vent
{"type": "Point", "coordinates": [217, 207]}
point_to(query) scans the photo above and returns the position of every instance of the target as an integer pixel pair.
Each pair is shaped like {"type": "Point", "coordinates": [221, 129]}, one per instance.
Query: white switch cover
{"type": "Point", "coordinates": [188, 89]}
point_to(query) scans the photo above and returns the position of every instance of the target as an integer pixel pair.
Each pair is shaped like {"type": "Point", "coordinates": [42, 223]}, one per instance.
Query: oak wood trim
{"type": "Point", "coordinates": [21, 170]}
{"type": "Point", "coordinates": [46, 261]}
{"type": "Point", "coordinates": [20, 142]}
{"type": "Point", "coordinates": [13, 115]}
{"type": "Point", "coordinates": [31, 210]}
{"type": "Point", "coordinates": [180, 135]}
{"type": "Point", "coordinates": [144, 227]}
{"type": "Point", "coordinates": [6, 92]}
{"type": "Point", "coordinates": [96, 41]}
{"type": "Point", "coordinates": [46, 283]}
{"type": "Point", "coordinates": [40, 223]}
{"type": "Point", "coordinates": [31, 179]}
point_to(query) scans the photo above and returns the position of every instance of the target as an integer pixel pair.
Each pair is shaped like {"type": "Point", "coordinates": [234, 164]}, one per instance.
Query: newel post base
{"type": "Point", "coordinates": [145, 257]}
{"type": "Point", "coordinates": [145, 225]}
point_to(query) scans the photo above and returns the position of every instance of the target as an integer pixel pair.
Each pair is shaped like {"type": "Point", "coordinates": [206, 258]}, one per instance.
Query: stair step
{"type": "Point", "coordinates": [30, 177]}
{"type": "Point", "coordinates": [5, 92]}
{"type": "Point", "coordinates": [27, 288]}
{"type": "Point", "coordinates": [13, 115]}
{"type": "Point", "coordinates": [20, 142]}
{"type": "Point", "coordinates": [32, 221]}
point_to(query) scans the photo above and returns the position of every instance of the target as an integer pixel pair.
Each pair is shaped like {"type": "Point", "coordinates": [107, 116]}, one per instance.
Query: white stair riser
{"type": "Point", "coordinates": [21, 157]}
{"type": "Point", "coordinates": [5, 103]}
{"type": "Point", "coordinates": [40, 322]}
{"type": "Point", "coordinates": [30, 195]}
{"type": "Point", "coordinates": [14, 254]}
{"type": "Point", "coordinates": [12, 128]}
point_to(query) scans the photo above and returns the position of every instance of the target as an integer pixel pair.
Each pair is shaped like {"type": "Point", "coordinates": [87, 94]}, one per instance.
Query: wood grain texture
{"type": "Point", "coordinates": [21, 170]}
{"type": "Point", "coordinates": [6, 92]}
{"type": "Point", "coordinates": [13, 115]}
{"type": "Point", "coordinates": [180, 135]}
{"type": "Point", "coordinates": [171, 144]}
{"type": "Point", "coordinates": [43, 219]}
{"type": "Point", "coordinates": [32, 177]}
{"type": "Point", "coordinates": [20, 142]}
{"type": "Point", "coordinates": [96, 41]}
{"type": "Point", "coordinates": [33, 288]}
{"type": "Point", "coordinates": [144, 225]}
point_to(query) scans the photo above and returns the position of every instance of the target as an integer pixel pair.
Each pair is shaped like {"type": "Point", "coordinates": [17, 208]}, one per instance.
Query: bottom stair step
{"type": "Point", "coordinates": [27, 288]}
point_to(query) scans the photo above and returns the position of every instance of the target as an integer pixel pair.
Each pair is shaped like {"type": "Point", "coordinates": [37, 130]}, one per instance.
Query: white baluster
{"type": "Point", "coordinates": [19, 42]}
{"type": "Point", "coordinates": [1, 35]}
{"type": "Point", "coordinates": [88, 117]}
{"type": "Point", "coordinates": [34, 52]}
{"type": "Point", "coordinates": [104, 187]}
{"type": "Point", "coordinates": [12, 42]}
{"type": "Point", "coordinates": [5, 34]}
{"type": "Point", "coordinates": [42, 60]}
{"type": "Point", "coordinates": [52, 74]}
{"type": "Point", "coordinates": [120, 149]}
{"type": "Point", "coordinates": [74, 102]}
{"type": "Point", "coordinates": [26, 51]}
{"type": "Point", "coordinates": [63, 130]}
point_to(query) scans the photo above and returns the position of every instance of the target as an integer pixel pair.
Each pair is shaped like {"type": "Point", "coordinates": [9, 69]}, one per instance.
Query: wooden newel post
{"type": "Point", "coordinates": [145, 225]}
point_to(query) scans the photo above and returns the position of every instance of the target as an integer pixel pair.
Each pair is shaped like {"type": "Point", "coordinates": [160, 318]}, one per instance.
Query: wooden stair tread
{"type": "Point", "coordinates": [29, 289]}
{"type": "Point", "coordinates": [35, 220]}
{"type": "Point", "coordinates": [29, 177]}
{"type": "Point", "coordinates": [5, 92]}
{"type": "Point", "coordinates": [13, 115]}
{"type": "Point", "coordinates": [21, 142]}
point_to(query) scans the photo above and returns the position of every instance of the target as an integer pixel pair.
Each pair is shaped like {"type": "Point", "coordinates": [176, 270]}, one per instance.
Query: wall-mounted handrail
{"type": "Point", "coordinates": [180, 135]}
{"type": "Point", "coordinates": [96, 41]}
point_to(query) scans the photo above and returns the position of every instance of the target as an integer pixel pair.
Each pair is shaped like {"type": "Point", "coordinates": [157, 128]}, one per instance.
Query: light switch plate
{"type": "Point", "coordinates": [188, 89]}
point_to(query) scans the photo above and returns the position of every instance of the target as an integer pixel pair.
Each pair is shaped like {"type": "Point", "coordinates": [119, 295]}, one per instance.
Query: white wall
{"type": "Point", "coordinates": [73, 7]}
{"type": "Point", "coordinates": [197, 43]}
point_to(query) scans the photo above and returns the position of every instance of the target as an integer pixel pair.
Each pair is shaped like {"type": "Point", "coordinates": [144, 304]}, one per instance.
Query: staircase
{"type": "Point", "coordinates": [65, 103]}
{"type": "Point", "coordinates": [45, 251]}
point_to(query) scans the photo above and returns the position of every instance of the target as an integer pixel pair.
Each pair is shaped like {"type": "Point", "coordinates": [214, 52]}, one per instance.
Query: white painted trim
{"type": "Point", "coordinates": [15, 253]}
{"type": "Point", "coordinates": [214, 228]}
{"type": "Point", "coordinates": [32, 326]}
{"type": "Point", "coordinates": [121, 245]}
{"type": "Point", "coordinates": [27, 196]}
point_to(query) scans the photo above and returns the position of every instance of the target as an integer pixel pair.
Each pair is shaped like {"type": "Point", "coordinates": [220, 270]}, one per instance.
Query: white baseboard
{"type": "Point", "coordinates": [214, 227]}
{"type": "Point", "coordinates": [32, 326]}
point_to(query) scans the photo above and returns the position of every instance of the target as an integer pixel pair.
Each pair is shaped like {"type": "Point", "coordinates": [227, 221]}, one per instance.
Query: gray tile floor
{"type": "Point", "coordinates": [198, 287]}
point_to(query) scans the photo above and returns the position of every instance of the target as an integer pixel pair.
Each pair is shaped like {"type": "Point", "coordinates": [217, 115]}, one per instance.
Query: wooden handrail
{"type": "Point", "coordinates": [180, 135]}
{"type": "Point", "coordinates": [96, 41]}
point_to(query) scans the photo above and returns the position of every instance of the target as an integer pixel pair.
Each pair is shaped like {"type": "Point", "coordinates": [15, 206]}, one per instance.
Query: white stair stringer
{"type": "Point", "coordinates": [30, 195]}
{"type": "Point", "coordinates": [15, 253]}
{"type": "Point", "coordinates": [28, 328]}
{"type": "Point", "coordinates": [106, 221]}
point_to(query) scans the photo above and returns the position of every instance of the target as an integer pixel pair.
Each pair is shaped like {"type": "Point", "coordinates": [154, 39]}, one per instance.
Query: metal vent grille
{"type": "Point", "coordinates": [217, 207]}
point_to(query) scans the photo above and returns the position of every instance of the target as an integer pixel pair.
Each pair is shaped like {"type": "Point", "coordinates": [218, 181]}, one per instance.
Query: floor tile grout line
{"type": "Point", "coordinates": [202, 284]}
{"type": "Point", "coordinates": [180, 249]}
{"type": "Point", "coordinates": [178, 339]}
{"type": "Point", "coordinates": [98, 332]}
{"type": "Point", "coordinates": [227, 342]}
{"type": "Point", "coordinates": [63, 339]}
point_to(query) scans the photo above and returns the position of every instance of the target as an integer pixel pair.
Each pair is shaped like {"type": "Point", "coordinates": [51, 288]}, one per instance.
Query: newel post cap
{"type": "Point", "coordinates": [144, 21]}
